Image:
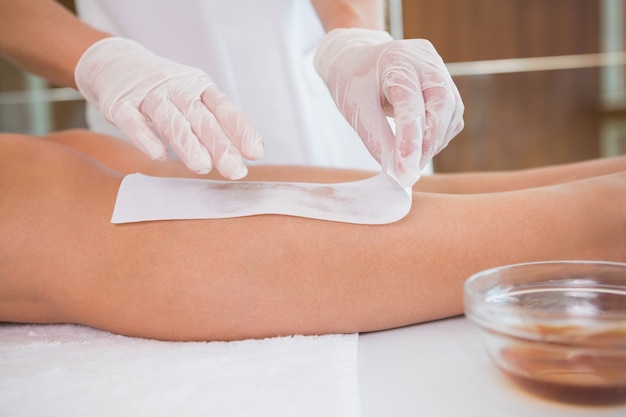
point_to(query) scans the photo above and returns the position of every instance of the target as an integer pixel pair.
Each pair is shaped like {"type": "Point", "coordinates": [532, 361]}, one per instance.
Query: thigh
{"type": "Point", "coordinates": [54, 209]}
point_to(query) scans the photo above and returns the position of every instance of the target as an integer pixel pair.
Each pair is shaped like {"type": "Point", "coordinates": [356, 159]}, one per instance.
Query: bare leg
{"type": "Point", "coordinates": [126, 159]}
{"type": "Point", "coordinates": [62, 261]}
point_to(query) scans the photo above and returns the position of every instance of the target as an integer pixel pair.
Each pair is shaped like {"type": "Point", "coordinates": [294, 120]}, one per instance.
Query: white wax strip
{"type": "Point", "coordinates": [376, 200]}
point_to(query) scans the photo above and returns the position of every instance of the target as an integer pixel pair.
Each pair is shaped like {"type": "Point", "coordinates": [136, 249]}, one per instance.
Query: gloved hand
{"type": "Point", "coordinates": [148, 97]}
{"type": "Point", "coordinates": [371, 76]}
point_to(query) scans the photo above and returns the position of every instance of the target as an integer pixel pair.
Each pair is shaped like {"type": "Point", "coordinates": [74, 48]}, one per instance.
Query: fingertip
{"type": "Point", "coordinates": [150, 145]}
{"type": "Point", "coordinates": [199, 162]}
{"type": "Point", "coordinates": [156, 154]}
{"type": "Point", "coordinates": [235, 172]}
{"type": "Point", "coordinates": [243, 135]}
{"type": "Point", "coordinates": [239, 174]}
{"type": "Point", "coordinates": [253, 147]}
{"type": "Point", "coordinates": [231, 165]}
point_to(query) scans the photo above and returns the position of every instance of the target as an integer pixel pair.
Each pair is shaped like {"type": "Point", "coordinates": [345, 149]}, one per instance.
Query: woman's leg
{"type": "Point", "coordinates": [61, 260]}
{"type": "Point", "coordinates": [497, 181]}
{"type": "Point", "coordinates": [126, 159]}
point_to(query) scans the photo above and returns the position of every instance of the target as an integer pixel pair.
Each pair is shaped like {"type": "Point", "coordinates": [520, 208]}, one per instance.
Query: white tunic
{"type": "Point", "coordinates": [260, 53]}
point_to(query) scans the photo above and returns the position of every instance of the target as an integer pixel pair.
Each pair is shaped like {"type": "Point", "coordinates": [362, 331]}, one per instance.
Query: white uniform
{"type": "Point", "coordinates": [260, 53]}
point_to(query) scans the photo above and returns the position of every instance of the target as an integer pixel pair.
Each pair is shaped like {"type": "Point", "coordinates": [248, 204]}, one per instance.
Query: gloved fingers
{"type": "Point", "coordinates": [176, 130]}
{"type": "Point", "coordinates": [439, 112]}
{"type": "Point", "coordinates": [166, 100]}
{"type": "Point", "coordinates": [185, 94]}
{"type": "Point", "coordinates": [378, 137]}
{"type": "Point", "coordinates": [444, 118]}
{"type": "Point", "coordinates": [456, 122]}
{"type": "Point", "coordinates": [409, 142]}
{"type": "Point", "coordinates": [371, 124]}
{"type": "Point", "coordinates": [364, 113]}
{"type": "Point", "coordinates": [404, 96]}
{"type": "Point", "coordinates": [233, 123]}
{"type": "Point", "coordinates": [404, 168]}
{"type": "Point", "coordinates": [444, 107]}
{"type": "Point", "coordinates": [135, 127]}
{"type": "Point", "coordinates": [226, 157]}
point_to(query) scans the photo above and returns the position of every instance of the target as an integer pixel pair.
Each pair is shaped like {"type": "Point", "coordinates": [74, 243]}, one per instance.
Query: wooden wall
{"type": "Point", "coordinates": [521, 119]}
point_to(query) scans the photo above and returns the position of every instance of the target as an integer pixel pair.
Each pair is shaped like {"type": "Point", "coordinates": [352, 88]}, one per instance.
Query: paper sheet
{"type": "Point", "coordinates": [376, 200]}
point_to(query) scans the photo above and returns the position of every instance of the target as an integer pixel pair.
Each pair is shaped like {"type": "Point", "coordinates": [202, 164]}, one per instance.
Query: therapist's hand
{"type": "Point", "coordinates": [371, 76]}
{"type": "Point", "coordinates": [151, 98]}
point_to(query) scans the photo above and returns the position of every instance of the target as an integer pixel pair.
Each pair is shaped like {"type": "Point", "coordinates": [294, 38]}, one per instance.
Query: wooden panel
{"type": "Point", "coordinates": [523, 119]}
{"type": "Point", "coordinates": [468, 30]}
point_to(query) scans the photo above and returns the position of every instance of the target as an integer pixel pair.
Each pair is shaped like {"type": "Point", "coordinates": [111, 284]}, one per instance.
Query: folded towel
{"type": "Point", "coordinates": [70, 370]}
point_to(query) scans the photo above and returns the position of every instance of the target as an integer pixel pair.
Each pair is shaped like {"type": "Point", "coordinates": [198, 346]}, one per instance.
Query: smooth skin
{"type": "Point", "coordinates": [62, 261]}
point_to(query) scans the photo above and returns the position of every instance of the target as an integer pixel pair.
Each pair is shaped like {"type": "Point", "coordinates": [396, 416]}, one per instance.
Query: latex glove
{"type": "Point", "coordinates": [371, 76]}
{"type": "Point", "coordinates": [149, 97]}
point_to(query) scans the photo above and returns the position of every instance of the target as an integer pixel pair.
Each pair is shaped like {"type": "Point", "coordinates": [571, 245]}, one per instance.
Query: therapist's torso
{"type": "Point", "coordinates": [260, 53]}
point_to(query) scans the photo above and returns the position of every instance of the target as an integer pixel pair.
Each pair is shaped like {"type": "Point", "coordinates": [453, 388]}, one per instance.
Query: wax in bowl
{"type": "Point", "coordinates": [556, 329]}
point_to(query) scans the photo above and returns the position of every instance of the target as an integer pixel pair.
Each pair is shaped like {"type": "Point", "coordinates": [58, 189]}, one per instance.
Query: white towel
{"type": "Point", "coordinates": [69, 370]}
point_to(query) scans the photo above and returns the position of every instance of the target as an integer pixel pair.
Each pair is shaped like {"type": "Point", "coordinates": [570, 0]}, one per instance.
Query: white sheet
{"type": "Point", "coordinates": [69, 370]}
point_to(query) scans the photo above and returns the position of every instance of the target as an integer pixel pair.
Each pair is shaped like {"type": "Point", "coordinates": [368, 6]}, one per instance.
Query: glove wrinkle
{"type": "Point", "coordinates": [152, 99]}
{"type": "Point", "coordinates": [371, 76]}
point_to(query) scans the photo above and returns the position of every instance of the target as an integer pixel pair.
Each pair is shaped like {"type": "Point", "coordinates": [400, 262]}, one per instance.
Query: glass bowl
{"type": "Point", "coordinates": [557, 329]}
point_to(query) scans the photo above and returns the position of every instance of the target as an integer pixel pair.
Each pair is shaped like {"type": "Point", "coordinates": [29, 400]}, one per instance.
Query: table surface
{"type": "Point", "coordinates": [441, 369]}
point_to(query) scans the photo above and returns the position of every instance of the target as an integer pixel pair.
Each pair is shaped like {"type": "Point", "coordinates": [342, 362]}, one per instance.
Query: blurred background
{"type": "Point", "coordinates": [542, 80]}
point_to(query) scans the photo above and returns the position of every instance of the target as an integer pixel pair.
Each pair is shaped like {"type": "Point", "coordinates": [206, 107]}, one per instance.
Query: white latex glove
{"type": "Point", "coordinates": [149, 97]}
{"type": "Point", "coordinates": [371, 76]}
